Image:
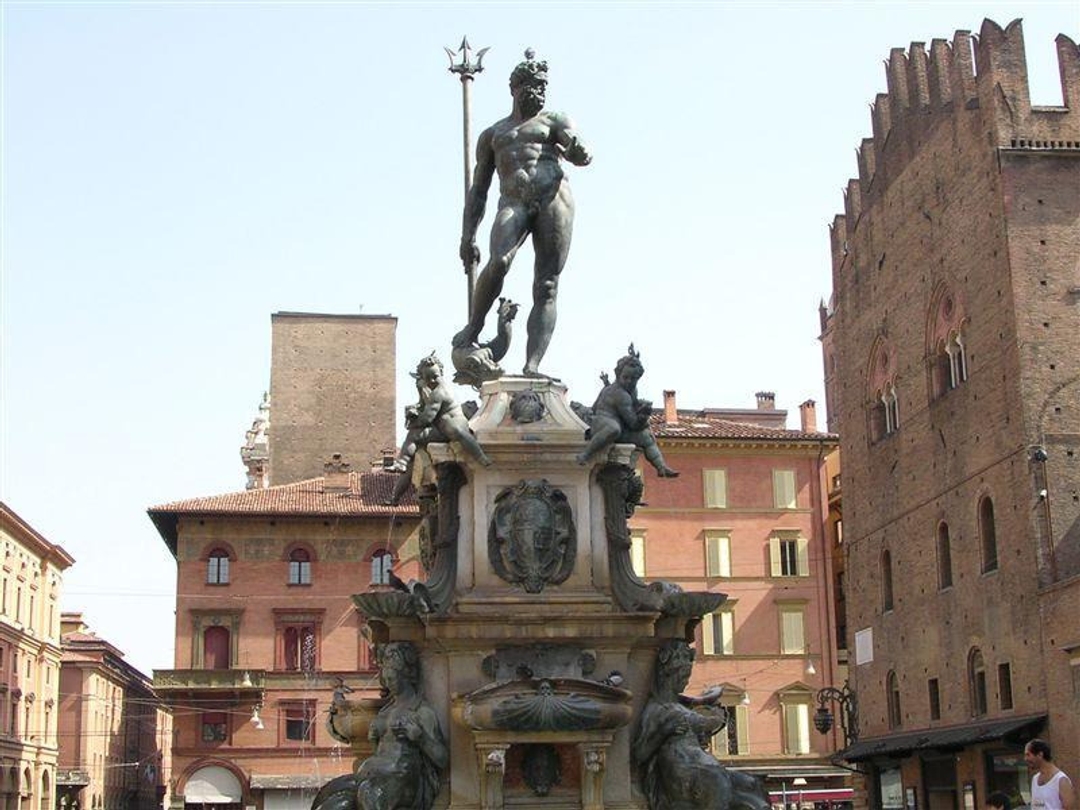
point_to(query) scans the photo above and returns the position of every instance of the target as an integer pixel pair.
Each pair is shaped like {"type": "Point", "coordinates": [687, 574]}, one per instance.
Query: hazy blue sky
{"type": "Point", "coordinates": [175, 172]}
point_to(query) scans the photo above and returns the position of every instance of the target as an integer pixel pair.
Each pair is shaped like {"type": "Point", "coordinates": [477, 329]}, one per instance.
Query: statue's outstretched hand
{"type": "Point", "coordinates": [469, 252]}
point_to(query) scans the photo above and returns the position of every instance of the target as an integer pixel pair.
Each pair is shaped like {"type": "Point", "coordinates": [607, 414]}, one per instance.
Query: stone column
{"type": "Point", "coordinates": [492, 771]}
{"type": "Point", "coordinates": [593, 761]}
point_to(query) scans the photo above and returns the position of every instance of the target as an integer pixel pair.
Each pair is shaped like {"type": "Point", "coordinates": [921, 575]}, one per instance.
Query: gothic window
{"type": "Point", "coordinates": [944, 556]}
{"type": "Point", "coordinates": [988, 535]}
{"type": "Point", "coordinates": [946, 342]}
{"type": "Point", "coordinates": [977, 682]}
{"type": "Point", "coordinates": [886, 581]}
{"type": "Point", "coordinates": [217, 567]}
{"type": "Point", "coordinates": [883, 402]}
{"type": "Point", "coordinates": [892, 697]}
{"type": "Point", "coordinates": [299, 567]}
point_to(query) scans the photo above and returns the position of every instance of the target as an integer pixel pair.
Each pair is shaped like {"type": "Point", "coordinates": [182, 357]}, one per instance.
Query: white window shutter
{"type": "Point", "coordinates": [727, 627]}
{"type": "Point", "coordinates": [742, 728]}
{"type": "Point", "coordinates": [802, 714]}
{"type": "Point", "coordinates": [725, 556]}
{"type": "Point", "coordinates": [715, 488]}
{"type": "Point", "coordinates": [803, 550]}
{"type": "Point", "coordinates": [637, 552]}
{"type": "Point", "coordinates": [774, 556]}
{"type": "Point", "coordinates": [707, 634]}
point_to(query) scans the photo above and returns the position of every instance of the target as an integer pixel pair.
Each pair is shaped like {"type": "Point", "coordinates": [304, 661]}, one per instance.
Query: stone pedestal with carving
{"type": "Point", "coordinates": [537, 640]}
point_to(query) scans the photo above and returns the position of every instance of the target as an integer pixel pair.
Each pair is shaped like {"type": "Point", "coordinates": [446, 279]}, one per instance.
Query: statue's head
{"type": "Point", "coordinates": [399, 663]}
{"type": "Point", "coordinates": [629, 368]}
{"type": "Point", "coordinates": [674, 661]}
{"type": "Point", "coordinates": [429, 370]}
{"type": "Point", "coordinates": [528, 84]}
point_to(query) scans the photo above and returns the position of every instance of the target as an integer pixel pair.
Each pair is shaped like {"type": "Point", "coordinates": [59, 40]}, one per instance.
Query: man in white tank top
{"type": "Point", "coordinates": [1050, 787]}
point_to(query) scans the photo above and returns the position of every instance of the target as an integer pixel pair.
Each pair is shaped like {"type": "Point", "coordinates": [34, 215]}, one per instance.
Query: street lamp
{"type": "Point", "coordinates": [848, 705]}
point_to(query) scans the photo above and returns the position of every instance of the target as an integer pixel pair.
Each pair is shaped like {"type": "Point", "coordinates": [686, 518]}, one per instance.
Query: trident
{"type": "Point", "coordinates": [466, 69]}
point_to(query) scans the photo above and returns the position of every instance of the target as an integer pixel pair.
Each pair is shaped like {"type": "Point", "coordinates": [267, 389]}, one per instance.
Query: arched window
{"type": "Point", "coordinates": [892, 699]}
{"type": "Point", "coordinates": [886, 581]}
{"type": "Point", "coordinates": [944, 556]}
{"type": "Point", "coordinates": [216, 644]}
{"type": "Point", "coordinates": [381, 563]}
{"type": "Point", "coordinates": [299, 567]}
{"type": "Point", "coordinates": [988, 535]}
{"type": "Point", "coordinates": [891, 406]}
{"type": "Point", "coordinates": [977, 682]}
{"type": "Point", "coordinates": [217, 567]}
{"type": "Point", "coordinates": [945, 341]}
{"type": "Point", "coordinates": [46, 792]}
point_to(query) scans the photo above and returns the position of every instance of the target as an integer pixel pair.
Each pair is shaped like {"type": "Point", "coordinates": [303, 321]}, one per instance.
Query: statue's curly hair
{"type": "Point", "coordinates": [529, 72]}
{"type": "Point", "coordinates": [402, 653]}
{"type": "Point", "coordinates": [631, 359]}
{"type": "Point", "coordinates": [670, 654]}
{"type": "Point", "coordinates": [431, 361]}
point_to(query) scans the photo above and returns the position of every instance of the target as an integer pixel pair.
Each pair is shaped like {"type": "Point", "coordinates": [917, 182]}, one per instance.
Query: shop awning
{"type": "Point", "coordinates": [289, 781]}
{"type": "Point", "coordinates": [947, 738]}
{"type": "Point", "coordinates": [213, 785]}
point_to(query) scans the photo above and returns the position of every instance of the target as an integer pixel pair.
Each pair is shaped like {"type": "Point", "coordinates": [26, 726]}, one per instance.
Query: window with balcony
{"type": "Point", "coordinates": [217, 648]}
{"type": "Point", "coordinates": [298, 639]}
{"type": "Point", "coordinates": [299, 567]}
{"type": "Point", "coordinates": [717, 554]}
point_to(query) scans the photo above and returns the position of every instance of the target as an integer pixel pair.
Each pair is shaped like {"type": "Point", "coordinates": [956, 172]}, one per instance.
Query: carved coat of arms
{"type": "Point", "coordinates": [531, 540]}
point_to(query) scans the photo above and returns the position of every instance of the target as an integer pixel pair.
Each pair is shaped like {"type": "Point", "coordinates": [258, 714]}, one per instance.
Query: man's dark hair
{"type": "Point", "coordinates": [999, 800]}
{"type": "Point", "coordinates": [1041, 747]}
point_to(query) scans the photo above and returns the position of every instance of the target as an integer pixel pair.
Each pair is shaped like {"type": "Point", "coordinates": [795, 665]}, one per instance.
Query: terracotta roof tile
{"type": "Point", "coordinates": [364, 498]}
{"type": "Point", "coordinates": [698, 425]}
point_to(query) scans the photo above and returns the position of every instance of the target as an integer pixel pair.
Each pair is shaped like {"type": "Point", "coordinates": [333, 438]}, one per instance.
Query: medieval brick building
{"type": "Point", "coordinates": [952, 368]}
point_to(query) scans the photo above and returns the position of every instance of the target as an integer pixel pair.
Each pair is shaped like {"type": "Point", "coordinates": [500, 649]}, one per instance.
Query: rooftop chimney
{"type": "Point", "coordinates": [336, 474]}
{"type": "Point", "coordinates": [389, 456]}
{"type": "Point", "coordinates": [808, 416]}
{"type": "Point", "coordinates": [766, 401]}
{"type": "Point", "coordinates": [671, 413]}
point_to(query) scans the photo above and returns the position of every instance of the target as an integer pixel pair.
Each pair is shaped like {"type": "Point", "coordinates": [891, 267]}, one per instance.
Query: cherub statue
{"type": "Point", "coordinates": [619, 416]}
{"type": "Point", "coordinates": [436, 417]}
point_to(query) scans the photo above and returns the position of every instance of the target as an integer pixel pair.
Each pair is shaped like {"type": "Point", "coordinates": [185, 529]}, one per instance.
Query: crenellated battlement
{"type": "Point", "coordinates": [976, 84]}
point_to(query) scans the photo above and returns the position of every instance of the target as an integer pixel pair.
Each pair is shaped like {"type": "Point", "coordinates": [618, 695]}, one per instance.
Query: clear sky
{"type": "Point", "coordinates": [174, 172]}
